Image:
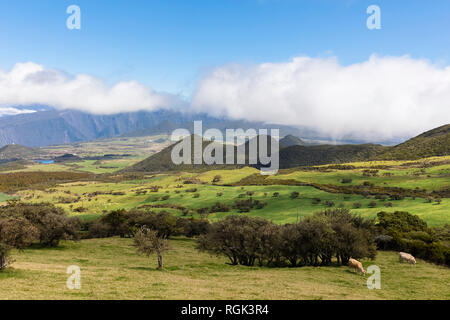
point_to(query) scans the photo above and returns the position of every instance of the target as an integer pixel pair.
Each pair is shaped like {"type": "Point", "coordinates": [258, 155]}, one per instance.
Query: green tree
{"type": "Point", "coordinates": [16, 233]}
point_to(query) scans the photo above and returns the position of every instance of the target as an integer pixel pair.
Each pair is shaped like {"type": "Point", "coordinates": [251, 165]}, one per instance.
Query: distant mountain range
{"type": "Point", "coordinates": [435, 142]}
{"type": "Point", "coordinates": [46, 127]}
{"type": "Point", "coordinates": [53, 127]}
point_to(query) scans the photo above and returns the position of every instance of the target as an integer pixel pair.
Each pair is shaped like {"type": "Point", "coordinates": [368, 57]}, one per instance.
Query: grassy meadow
{"type": "Point", "coordinates": [111, 269]}
{"type": "Point", "coordinates": [282, 209]}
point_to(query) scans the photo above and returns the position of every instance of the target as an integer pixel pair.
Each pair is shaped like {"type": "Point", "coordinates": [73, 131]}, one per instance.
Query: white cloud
{"type": "Point", "coordinates": [378, 99]}
{"type": "Point", "coordinates": [10, 111]}
{"type": "Point", "coordinates": [381, 98]}
{"type": "Point", "coordinates": [31, 83]}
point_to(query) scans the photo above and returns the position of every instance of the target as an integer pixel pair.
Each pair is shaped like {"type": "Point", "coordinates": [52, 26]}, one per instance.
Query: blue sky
{"type": "Point", "coordinates": [169, 44]}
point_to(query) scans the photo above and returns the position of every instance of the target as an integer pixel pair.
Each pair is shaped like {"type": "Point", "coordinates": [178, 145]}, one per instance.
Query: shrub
{"type": "Point", "coordinates": [294, 194]}
{"type": "Point", "coordinates": [329, 203]}
{"type": "Point", "coordinates": [52, 223]}
{"type": "Point", "coordinates": [372, 204]}
{"type": "Point", "coordinates": [357, 205]}
{"type": "Point", "coordinates": [247, 205]}
{"type": "Point", "coordinates": [219, 207]}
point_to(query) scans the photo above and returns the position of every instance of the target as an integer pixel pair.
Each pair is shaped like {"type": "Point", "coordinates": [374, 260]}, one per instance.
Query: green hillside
{"type": "Point", "coordinates": [162, 161]}
{"type": "Point", "coordinates": [432, 143]}
{"type": "Point", "coordinates": [296, 156]}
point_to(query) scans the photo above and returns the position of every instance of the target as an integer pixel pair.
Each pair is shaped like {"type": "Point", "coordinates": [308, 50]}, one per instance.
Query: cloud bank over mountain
{"type": "Point", "coordinates": [10, 111]}
{"type": "Point", "coordinates": [378, 99]}
{"type": "Point", "coordinates": [30, 83]}
{"type": "Point", "coordinates": [381, 98]}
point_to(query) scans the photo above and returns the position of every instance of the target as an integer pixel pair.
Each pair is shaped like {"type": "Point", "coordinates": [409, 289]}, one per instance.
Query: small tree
{"type": "Point", "coordinates": [16, 233]}
{"type": "Point", "coordinates": [147, 242]}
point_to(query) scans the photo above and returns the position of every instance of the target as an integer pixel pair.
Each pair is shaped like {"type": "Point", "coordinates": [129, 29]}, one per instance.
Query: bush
{"type": "Point", "coordinates": [411, 234]}
{"type": "Point", "coordinates": [243, 240]}
{"type": "Point", "coordinates": [219, 207]}
{"type": "Point", "coordinates": [248, 204]}
{"type": "Point", "coordinates": [357, 205]}
{"type": "Point", "coordinates": [329, 203]}
{"type": "Point", "coordinates": [372, 204]}
{"type": "Point", "coordinates": [52, 223]}
{"type": "Point", "coordinates": [294, 195]}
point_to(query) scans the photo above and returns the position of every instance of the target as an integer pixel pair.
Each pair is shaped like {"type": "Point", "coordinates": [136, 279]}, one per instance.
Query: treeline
{"type": "Point", "coordinates": [125, 223]}
{"type": "Point", "coordinates": [402, 231]}
{"type": "Point", "coordinates": [10, 182]}
{"type": "Point", "coordinates": [314, 240]}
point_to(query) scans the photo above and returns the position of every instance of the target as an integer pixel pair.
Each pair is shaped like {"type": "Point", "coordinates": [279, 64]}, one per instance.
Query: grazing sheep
{"type": "Point", "coordinates": [403, 256]}
{"type": "Point", "coordinates": [355, 264]}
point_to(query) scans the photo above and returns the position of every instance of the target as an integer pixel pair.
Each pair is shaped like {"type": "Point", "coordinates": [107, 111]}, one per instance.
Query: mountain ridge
{"type": "Point", "coordinates": [312, 155]}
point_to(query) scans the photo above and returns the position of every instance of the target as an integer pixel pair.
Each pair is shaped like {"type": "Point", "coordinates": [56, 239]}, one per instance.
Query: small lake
{"type": "Point", "coordinates": [45, 161]}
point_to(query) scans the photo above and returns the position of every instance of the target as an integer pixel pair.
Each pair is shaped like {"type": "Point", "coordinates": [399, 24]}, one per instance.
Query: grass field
{"type": "Point", "coordinates": [280, 209]}
{"type": "Point", "coordinates": [3, 197]}
{"type": "Point", "coordinates": [110, 269]}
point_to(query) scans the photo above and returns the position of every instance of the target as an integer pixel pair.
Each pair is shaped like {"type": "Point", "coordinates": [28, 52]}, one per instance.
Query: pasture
{"type": "Point", "coordinates": [90, 199]}
{"type": "Point", "coordinates": [111, 269]}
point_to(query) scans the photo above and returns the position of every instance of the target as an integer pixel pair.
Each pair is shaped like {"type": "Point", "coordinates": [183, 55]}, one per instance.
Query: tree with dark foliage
{"type": "Point", "coordinates": [15, 233]}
